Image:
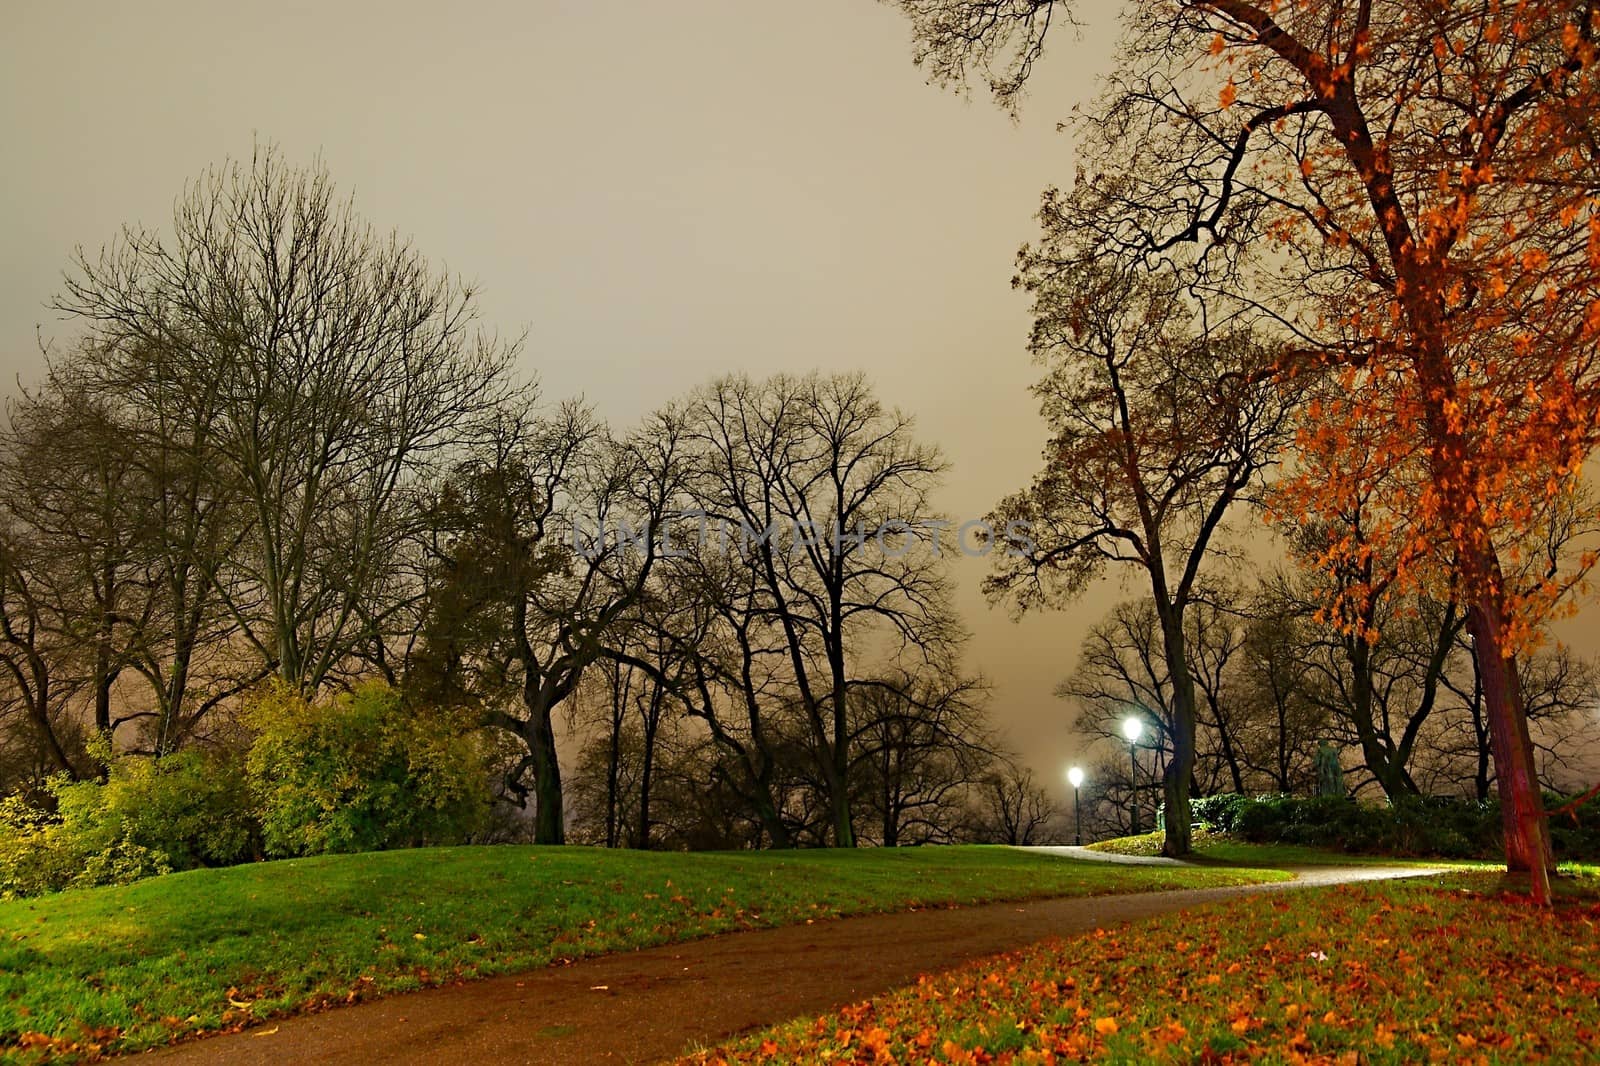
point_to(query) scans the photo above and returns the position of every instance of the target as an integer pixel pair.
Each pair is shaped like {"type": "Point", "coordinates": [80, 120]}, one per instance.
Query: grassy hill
{"type": "Point", "coordinates": [133, 966]}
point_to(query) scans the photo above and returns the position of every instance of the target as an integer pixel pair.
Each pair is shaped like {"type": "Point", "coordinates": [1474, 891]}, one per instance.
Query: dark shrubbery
{"type": "Point", "coordinates": [1219, 812]}
{"type": "Point", "coordinates": [1411, 827]}
{"type": "Point", "coordinates": [1576, 838]}
{"type": "Point", "coordinates": [1421, 826]}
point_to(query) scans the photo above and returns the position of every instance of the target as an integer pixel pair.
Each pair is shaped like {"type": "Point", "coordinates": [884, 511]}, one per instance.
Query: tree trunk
{"type": "Point", "coordinates": [39, 711]}
{"type": "Point", "coordinates": [613, 764]}
{"type": "Point", "coordinates": [891, 815]}
{"type": "Point", "coordinates": [652, 722]}
{"type": "Point", "coordinates": [1230, 757]}
{"type": "Point", "coordinates": [549, 818]}
{"type": "Point", "coordinates": [844, 833]}
{"type": "Point", "coordinates": [759, 776]}
{"type": "Point", "coordinates": [836, 749]}
{"type": "Point", "coordinates": [1480, 734]}
{"type": "Point", "coordinates": [767, 814]}
{"type": "Point", "coordinates": [1177, 840]}
{"type": "Point", "coordinates": [1378, 754]}
{"type": "Point", "coordinates": [1527, 832]}
{"type": "Point", "coordinates": [1283, 750]}
{"type": "Point", "coordinates": [104, 675]}
{"type": "Point", "coordinates": [643, 841]}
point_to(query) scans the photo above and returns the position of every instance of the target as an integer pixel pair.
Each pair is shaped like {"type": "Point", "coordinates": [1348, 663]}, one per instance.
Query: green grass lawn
{"type": "Point", "coordinates": [1223, 850]}
{"type": "Point", "coordinates": [1220, 848]}
{"type": "Point", "coordinates": [129, 967]}
{"type": "Point", "coordinates": [1438, 969]}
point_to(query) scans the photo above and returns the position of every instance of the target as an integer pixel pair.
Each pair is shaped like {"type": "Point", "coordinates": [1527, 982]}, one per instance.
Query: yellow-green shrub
{"type": "Point", "coordinates": [149, 816]}
{"type": "Point", "coordinates": [361, 771]}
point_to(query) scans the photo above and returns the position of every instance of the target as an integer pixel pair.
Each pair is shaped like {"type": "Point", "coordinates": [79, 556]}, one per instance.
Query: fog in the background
{"type": "Point", "coordinates": [658, 193]}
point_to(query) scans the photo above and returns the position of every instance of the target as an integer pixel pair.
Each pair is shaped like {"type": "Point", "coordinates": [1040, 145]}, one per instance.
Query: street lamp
{"type": "Point", "coordinates": [1133, 728]}
{"type": "Point", "coordinates": [1075, 778]}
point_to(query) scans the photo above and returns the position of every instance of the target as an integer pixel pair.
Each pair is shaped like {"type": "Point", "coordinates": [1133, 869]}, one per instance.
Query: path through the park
{"type": "Point", "coordinates": [650, 1005]}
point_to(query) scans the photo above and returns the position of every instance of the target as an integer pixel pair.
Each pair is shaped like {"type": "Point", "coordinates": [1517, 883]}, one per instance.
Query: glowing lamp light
{"type": "Point", "coordinates": [1075, 778]}
{"type": "Point", "coordinates": [1132, 728]}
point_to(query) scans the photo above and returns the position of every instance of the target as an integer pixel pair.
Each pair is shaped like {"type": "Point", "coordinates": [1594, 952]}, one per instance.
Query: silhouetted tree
{"type": "Point", "coordinates": [319, 372]}
{"type": "Point", "coordinates": [1157, 431]}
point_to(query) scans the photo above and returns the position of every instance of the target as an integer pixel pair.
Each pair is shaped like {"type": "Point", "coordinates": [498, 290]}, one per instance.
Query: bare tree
{"type": "Point", "coordinates": [806, 473]}
{"type": "Point", "coordinates": [1012, 809]}
{"type": "Point", "coordinates": [1217, 637]}
{"type": "Point", "coordinates": [1158, 430]}
{"type": "Point", "coordinates": [320, 369]}
{"type": "Point", "coordinates": [1385, 658]}
{"type": "Point", "coordinates": [601, 703]}
{"type": "Point", "coordinates": [38, 659]}
{"type": "Point", "coordinates": [921, 746]}
{"type": "Point", "coordinates": [68, 481]}
{"type": "Point", "coordinates": [725, 664]}
{"type": "Point", "coordinates": [1561, 691]}
{"type": "Point", "coordinates": [1277, 723]}
{"type": "Point", "coordinates": [1122, 671]}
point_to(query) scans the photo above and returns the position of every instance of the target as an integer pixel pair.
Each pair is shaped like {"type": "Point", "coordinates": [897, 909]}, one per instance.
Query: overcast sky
{"type": "Point", "coordinates": [658, 193]}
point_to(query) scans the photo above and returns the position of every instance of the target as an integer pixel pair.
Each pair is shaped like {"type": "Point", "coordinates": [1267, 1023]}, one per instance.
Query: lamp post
{"type": "Point", "coordinates": [1133, 728]}
{"type": "Point", "coordinates": [1075, 777]}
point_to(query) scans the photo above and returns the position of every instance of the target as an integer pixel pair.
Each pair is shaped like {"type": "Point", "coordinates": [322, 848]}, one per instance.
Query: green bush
{"type": "Point", "coordinates": [1218, 812]}
{"type": "Point", "coordinates": [362, 772]}
{"type": "Point", "coordinates": [356, 772]}
{"type": "Point", "coordinates": [1440, 826]}
{"type": "Point", "coordinates": [190, 807]}
{"type": "Point", "coordinates": [149, 816]}
{"type": "Point", "coordinates": [1419, 826]}
{"type": "Point", "coordinates": [29, 860]}
{"type": "Point", "coordinates": [1576, 836]}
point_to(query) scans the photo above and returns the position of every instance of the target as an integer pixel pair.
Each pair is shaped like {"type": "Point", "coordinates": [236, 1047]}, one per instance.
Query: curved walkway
{"type": "Point", "coordinates": [645, 1006]}
{"type": "Point", "coordinates": [1069, 851]}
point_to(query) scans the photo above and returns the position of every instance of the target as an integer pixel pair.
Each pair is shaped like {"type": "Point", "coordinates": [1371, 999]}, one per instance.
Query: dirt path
{"type": "Point", "coordinates": [645, 1006]}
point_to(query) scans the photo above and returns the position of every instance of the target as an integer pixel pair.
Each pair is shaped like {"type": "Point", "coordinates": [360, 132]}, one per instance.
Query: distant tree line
{"type": "Point", "coordinates": [282, 456]}
{"type": "Point", "coordinates": [1273, 682]}
{"type": "Point", "coordinates": [282, 461]}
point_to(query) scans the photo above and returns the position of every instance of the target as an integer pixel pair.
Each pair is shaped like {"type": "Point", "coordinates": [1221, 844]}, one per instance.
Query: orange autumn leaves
{"type": "Point", "coordinates": [1492, 445]}
{"type": "Point", "coordinates": [1412, 191]}
{"type": "Point", "coordinates": [1370, 974]}
{"type": "Point", "coordinates": [1449, 179]}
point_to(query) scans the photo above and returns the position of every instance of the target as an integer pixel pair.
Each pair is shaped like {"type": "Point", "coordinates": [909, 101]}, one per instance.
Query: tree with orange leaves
{"type": "Point", "coordinates": [1409, 187]}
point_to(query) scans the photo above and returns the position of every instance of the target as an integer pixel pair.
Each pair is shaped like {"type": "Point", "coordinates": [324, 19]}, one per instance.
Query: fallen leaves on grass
{"type": "Point", "coordinates": [1372, 974]}
{"type": "Point", "coordinates": [303, 936]}
{"type": "Point", "coordinates": [90, 1044]}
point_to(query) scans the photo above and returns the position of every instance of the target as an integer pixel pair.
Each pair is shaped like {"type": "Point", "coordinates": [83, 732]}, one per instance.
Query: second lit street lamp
{"type": "Point", "coordinates": [1133, 728]}
{"type": "Point", "coordinates": [1075, 778]}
